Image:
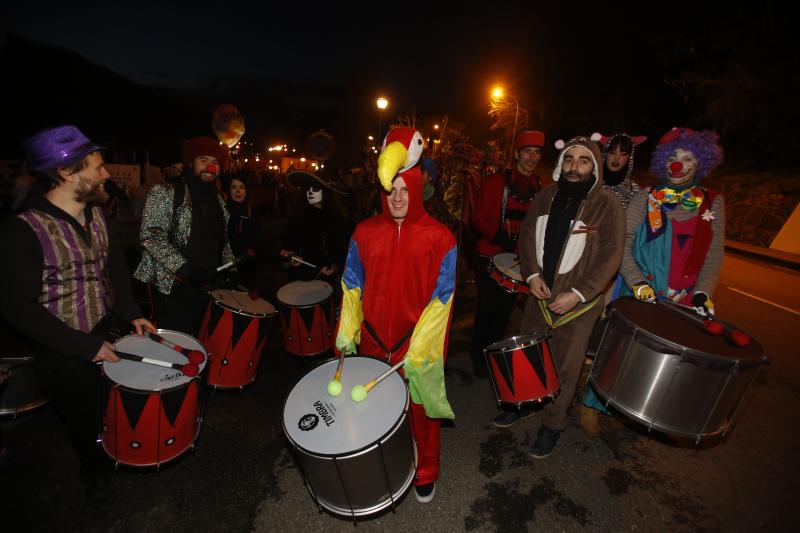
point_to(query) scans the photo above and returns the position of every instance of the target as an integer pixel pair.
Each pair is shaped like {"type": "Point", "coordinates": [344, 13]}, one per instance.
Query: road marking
{"type": "Point", "coordinates": [754, 297]}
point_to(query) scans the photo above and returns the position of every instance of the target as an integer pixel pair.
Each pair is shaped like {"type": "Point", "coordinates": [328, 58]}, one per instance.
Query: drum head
{"type": "Point", "coordinates": [241, 303]}
{"type": "Point", "coordinates": [304, 293]}
{"type": "Point", "coordinates": [327, 425]}
{"type": "Point", "coordinates": [143, 376]}
{"type": "Point", "coordinates": [508, 264]}
{"type": "Point", "coordinates": [661, 322]}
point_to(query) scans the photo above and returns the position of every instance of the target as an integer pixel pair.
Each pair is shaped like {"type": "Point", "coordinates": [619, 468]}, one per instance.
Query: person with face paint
{"type": "Point", "coordinates": [315, 233]}
{"type": "Point", "coordinates": [65, 282]}
{"type": "Point", "coordinates": [676, 231]}
{"type": "Point", "coordinates": [398, 287]}
{"type": "Point", "coordinates": [501, 205]}
{"type": "Point", "coordinates": [570, 246]}
{"type": "Point", "coordinates": [184, 237]}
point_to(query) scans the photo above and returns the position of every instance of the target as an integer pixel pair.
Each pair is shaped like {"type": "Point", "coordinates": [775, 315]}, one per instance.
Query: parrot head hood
{"type": "Point", "coordinates": [401, 150]}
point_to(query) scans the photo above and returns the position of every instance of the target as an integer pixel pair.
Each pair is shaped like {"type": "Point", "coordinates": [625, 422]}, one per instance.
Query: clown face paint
{"type": "Point", "coordinates": [398, 200]}
{"type": "Point", "coordinates": [314, 196]}
{"type": "Point", "coordinates": [681, 167]}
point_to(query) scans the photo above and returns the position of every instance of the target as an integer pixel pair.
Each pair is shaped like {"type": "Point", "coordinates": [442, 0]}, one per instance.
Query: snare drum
{"type": "Point", "coordinates": [234, 331]}
{"type": "Point", "coordinates": [20, 393]}
{"type": "Point", "coordinates": [152, 414]}
{"type": "Point", "coordinates": [504, 269]}
{"type": "Point", "coordinates": [663, 369]}
{"type": "Point", "coordinates": [356, 458]}
{"type": "Point", "coordinates": [523, 370]}
{"type": "Point", "coordinates": [307, 317]}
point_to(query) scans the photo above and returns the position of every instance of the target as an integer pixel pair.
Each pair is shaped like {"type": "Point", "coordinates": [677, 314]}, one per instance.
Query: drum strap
{"type": "Point", "coordinates": [396, 347]}
{"type": "Point", "coordinates": [569, 316]}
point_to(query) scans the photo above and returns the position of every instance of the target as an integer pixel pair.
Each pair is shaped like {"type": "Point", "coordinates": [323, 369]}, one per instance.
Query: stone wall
{"type": "Point", "coordinates": [756, 204]}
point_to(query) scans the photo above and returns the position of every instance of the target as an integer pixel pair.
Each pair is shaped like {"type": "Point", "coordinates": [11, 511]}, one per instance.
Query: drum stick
{"type": "Point", "coordinates": [335, 386]}
{"type": "Point", "coordinates": [369, 386]}
{"type": "Point", "coordinates": [226, 266]}
{"type": "Point", "coordinates": [188, 369]}
{"type": "Point", "coordinates": [295, 258]}
{"type": "Point", "coordinates": [194, 356]}
{"type": "Point", "coordinates": [709, 323]}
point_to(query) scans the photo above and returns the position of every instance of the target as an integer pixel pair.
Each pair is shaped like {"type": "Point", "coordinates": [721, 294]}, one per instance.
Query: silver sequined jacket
{"type": "Point", "coordinates": [160, 257]}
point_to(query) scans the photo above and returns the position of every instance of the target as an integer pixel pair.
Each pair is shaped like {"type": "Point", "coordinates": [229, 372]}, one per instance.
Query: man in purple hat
{"type": "Point", "coordinates": [65, 283]}
{"type": "Point", "coordinates": [185, 238]}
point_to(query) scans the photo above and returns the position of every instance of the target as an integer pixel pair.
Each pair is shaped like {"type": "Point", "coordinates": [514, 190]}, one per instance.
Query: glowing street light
{"type": "Point", "coordinates": [499, 104]}
{"type": "Point", "coordinates": [382, 104]}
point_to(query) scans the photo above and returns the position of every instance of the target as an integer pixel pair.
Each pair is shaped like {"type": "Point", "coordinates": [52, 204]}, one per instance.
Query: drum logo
{"type": "Point", "coordinates": [308, 422]}
{"type": "Point", "coordinates": [324, 413]}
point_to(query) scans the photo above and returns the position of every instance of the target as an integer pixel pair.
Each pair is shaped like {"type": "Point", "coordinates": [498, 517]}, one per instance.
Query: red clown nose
{"type": "Point", "coordinates": [211, 168]}
{"type": "Point", "coordinates": [675, 167]}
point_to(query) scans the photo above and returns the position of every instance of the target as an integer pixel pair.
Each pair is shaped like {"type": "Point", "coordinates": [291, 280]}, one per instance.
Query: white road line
{"type": "Point", "coordinates": [754, 297]}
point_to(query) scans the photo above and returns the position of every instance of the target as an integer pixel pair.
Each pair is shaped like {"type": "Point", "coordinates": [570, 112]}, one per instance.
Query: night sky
{"type": "Point", "coordinates": [588, 66]}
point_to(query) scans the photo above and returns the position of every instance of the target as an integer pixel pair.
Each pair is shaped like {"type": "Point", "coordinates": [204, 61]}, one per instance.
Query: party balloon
{"type": "Point", "coordinates": [228, 124]}
{"type": "Point", "coordinates": [321, 145]}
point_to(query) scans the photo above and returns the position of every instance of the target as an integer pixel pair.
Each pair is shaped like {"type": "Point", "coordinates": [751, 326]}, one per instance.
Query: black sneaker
{"type": "Point", "coordinates": [506, 419]}
{"type": "Point", "coordinates": [424, 493]}
{"type": "Point", "coordinates": [546, 441]}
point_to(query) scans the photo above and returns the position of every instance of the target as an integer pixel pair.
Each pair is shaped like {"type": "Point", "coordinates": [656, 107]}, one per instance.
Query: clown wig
{"type": "Point", "coordinates": [703, 144]}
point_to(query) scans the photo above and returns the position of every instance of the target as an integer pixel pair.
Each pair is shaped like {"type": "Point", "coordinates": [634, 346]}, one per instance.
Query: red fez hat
{"type": "Point", "coordinates": [529, 138]}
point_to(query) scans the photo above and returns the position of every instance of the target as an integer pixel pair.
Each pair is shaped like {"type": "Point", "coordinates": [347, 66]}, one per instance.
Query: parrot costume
{"type": "Point", "coordinates": [398, 286]}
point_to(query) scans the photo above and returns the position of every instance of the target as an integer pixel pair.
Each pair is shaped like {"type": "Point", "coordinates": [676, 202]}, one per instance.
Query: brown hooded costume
{"type": "Point", "coordinates": [585, 257]}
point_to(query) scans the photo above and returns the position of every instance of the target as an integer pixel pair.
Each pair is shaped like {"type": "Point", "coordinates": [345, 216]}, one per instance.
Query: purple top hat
{"type": "Point", "coordinates": [57, 147]}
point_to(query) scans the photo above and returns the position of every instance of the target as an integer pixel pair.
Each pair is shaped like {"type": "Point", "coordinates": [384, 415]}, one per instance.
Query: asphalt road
{"type": "Point", "coordinates": [241, 477]}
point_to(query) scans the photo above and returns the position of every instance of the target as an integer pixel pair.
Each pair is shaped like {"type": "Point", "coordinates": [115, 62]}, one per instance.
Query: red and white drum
{"type": "Point", "coordinates": [234, 331]}
{"type": "Point", "coordinates": [152, 414]}
{"type": "Point", "coordinates": [523, 370]}
{"type": "Point", "coordinates": [505, 271]}
{"type": "Point", "coordinates": [307, 317]}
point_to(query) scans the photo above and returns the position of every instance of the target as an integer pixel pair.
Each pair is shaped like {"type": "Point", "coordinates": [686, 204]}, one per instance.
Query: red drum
{"type": "Point", "coordinates": [307, 317]}
{"type": "Point", "coordinates": [505, 271]}
{"type": "Point", "coordinates": [523, 370]}
{"type": "Point", "coordinates": [234, 331]}
{"type": "Point", "coordinates": [152, 414]}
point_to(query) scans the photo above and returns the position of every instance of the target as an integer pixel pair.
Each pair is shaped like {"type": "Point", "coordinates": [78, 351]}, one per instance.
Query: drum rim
{"type": "Point", "coordinates": [535, 338]}
{"type": "Point", "coordinates": [174, 387]}
{"type": "Point", "coordinates": [242, 311]}
{"type": "Point", "coordinates": [653, 423]}
{"type": "Point", "coordinates": [350, 453]}
{"type": "Point", "coordinates": [730, 361]}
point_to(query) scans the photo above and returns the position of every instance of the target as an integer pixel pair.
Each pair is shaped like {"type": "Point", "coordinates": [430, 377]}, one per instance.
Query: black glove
{"type": "Point", "coordinates": [195, 276]}
{"type": "Point", "coordinates": [501, 238]}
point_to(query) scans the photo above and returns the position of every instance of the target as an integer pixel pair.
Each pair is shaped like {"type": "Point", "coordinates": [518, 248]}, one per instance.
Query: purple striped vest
{"type": "Point", "coordinates": [74, 287]}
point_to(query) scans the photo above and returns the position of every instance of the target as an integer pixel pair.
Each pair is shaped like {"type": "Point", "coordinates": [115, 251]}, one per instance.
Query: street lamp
{"type": "Point", "coordinates": [382, 104]}
{"type": "Point", "coordinates": [500, 106]}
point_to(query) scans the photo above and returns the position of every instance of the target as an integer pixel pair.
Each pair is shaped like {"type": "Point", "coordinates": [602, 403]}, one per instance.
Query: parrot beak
{"type": "Point", "coordinates": [392, 159]}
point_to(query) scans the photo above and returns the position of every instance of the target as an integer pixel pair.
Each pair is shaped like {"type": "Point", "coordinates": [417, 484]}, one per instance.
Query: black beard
{"type": "Point", "coordinates": [574, 189]}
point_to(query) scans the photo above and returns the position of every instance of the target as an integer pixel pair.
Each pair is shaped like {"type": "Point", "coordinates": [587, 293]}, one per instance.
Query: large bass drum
{"type": "Point", "coordinates": [658, 365]}
{"type": "Point", "coordinates": [356, 458]}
